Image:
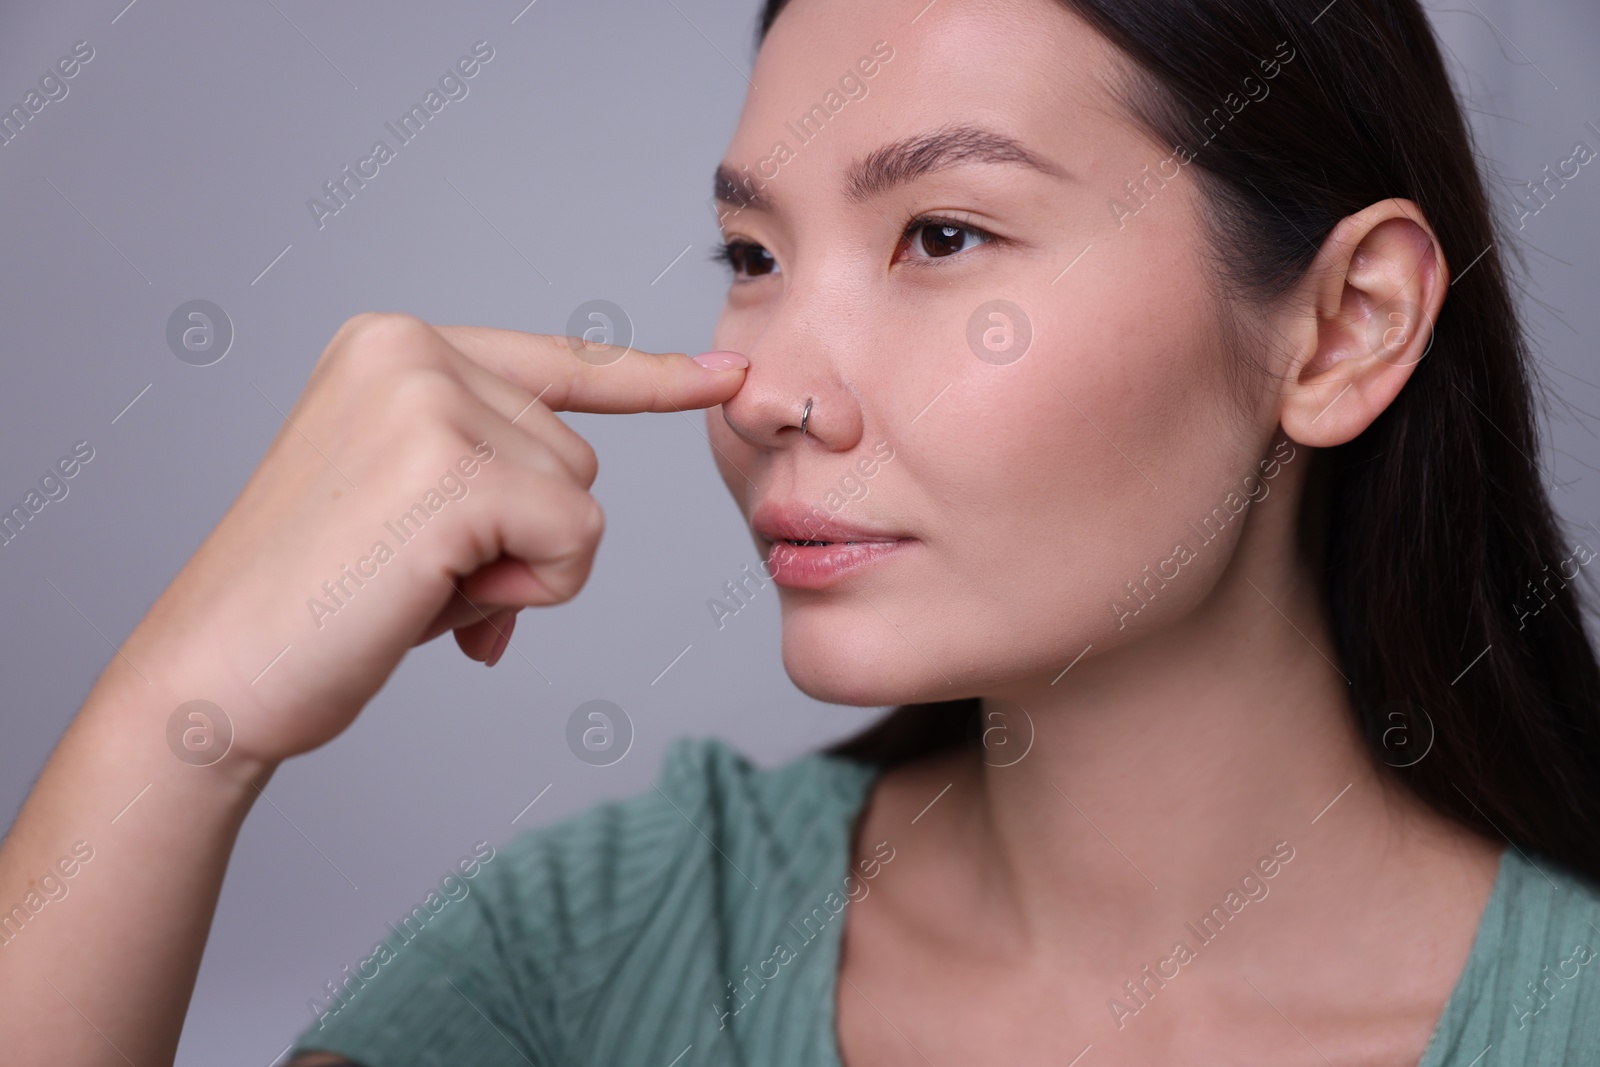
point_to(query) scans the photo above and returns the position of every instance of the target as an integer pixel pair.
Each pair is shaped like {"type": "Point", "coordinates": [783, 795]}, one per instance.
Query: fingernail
{"type": "Point", "coordinates": [721, 360]}
{"type": "Point", "coordinates": [501, 642]}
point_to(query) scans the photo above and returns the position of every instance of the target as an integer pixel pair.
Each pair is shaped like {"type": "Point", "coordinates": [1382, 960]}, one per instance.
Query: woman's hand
{"type": "Point", "coordinates": [422, 483]}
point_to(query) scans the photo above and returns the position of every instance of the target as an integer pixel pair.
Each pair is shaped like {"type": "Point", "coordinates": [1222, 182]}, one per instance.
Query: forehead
{"type": "Point", "coordinates": [836, 78]}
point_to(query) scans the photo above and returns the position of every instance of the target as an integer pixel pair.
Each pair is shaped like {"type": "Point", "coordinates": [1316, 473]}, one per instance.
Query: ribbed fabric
{"type": "Point", "coordinates": [611, 938]}
{"type": "Point", "coordinates": [1530, 992]}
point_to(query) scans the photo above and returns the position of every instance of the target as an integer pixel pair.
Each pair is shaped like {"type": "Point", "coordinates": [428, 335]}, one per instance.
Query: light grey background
{"type": "Point", "coordinates": [178, 167]}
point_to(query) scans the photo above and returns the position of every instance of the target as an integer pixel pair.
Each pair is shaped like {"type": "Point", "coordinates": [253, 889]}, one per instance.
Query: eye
{"type": "Point", "coordinates": [746, 259]}
{"type": "Point", "coordinates": [930, 238]}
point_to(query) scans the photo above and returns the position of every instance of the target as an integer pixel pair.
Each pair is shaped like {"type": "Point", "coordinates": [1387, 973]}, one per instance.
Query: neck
{"type": "Point", "coordinates": [1161, 772]}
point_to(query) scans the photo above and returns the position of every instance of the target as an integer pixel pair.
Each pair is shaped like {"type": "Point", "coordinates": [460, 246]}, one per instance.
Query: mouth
{"type": "Point", "coordinates": [813, 544]}
{"type": "Point", "coordinates": [794, 563]}
{"type": "Point", "coordinates": [802, 526]}
{"type": "Point", "coordinates": [808, 548]}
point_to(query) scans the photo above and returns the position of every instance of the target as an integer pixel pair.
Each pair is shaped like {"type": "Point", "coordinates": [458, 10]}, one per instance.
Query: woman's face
{"type": "Point", "coordinates": [1042, 452]}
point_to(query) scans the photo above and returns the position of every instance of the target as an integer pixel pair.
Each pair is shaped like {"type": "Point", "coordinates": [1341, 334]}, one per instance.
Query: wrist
{"type": "Point", "coordinates": [177, 726]}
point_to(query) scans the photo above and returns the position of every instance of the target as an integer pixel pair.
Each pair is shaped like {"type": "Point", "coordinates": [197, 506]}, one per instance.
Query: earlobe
{"type": "Point", "coordinates": [1375, 294]}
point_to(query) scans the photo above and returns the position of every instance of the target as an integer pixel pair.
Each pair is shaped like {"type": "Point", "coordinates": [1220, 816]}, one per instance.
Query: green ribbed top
{"type": "Point", "coordinates": [616, 936]}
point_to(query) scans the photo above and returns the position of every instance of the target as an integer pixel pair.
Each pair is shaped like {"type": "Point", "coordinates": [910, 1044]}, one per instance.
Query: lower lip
{"type": "Point", "coordinates": [819, 566]}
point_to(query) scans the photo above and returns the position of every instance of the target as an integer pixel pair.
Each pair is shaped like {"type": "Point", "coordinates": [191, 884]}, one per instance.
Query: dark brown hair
{"type": "Point", "coordinates": [1433, 524]}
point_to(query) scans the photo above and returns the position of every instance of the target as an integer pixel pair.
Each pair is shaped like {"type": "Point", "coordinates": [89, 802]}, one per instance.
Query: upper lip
{"type": "Point", "coordinates": [794, 521]}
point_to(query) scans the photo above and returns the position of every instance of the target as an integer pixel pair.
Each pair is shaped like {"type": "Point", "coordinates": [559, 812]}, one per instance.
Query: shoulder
{"type": "Point", "coordinates": [708, 775]}
{"type": "Point", "coordinates": [711, 816]}
{"type": "Point", "coordinates": [1532, 984]}
{"type": "Point", "coordinates": [615, 924]}
{"type": "Point", "coordinates": [1549, 913]}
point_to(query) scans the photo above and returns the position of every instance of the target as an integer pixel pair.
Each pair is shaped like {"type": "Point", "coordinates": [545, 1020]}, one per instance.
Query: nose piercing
{"type": "Point", "coordinates": [805, 417]}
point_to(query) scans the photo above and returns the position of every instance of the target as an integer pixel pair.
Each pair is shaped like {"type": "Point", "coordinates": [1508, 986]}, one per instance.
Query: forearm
{"type": "Point", "coordinates": [97, 966]}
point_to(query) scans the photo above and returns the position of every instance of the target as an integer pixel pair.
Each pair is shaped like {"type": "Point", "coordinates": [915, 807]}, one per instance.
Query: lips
{"type": "Point", "coordinates": [823, 566]}
{"type": "Point", "coordinates": [808, 550]}
{"type": "Point", "coordinates": [802, 524]}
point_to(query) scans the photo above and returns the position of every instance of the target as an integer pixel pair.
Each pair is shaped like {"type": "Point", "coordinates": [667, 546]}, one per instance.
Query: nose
{"type": "Point", "coordinates": [794, 362]}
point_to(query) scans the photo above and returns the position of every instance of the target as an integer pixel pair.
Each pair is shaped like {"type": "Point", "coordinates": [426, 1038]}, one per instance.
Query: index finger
{"type": "Point", "coordinates": [610, 380]}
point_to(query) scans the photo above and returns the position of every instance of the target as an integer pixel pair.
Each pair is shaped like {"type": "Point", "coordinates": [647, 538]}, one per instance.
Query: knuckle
{"type": "Point", "coordinates": [594, 523]}
{"type": "Point", "coordinates": [387, 324]}
{"type": "Point", "coordinates": [375, 339]}
{"type": "Point", "coordinates": [587, 461]}
{"type": "Point", "coordinates": [568, 580]}
{"type": "Point", "coordinates": [570, 459]}
{"type": "Point", "coordinates": [415, 448]}
{"type": "Point", "coordinates": [354, 326]}
{"type": "Point", "coordinates": [581, 530]}
{"type": "Point", "coordinates": [360, 322]}
{"type": "Point", "coordinates": [421, 398]}
{"type": "Point", "coordinates": [358, 328]}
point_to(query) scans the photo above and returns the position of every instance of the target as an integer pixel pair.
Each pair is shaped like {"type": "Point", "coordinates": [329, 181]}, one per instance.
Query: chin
{"type": "Point", "coordinates": [852, 663]}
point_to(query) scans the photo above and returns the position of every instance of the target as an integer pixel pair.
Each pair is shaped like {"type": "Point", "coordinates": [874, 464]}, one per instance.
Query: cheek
{"type": "Point", "coordinates": [727, 449]}
{"type": "Point", "coordinates": [1061, 477]}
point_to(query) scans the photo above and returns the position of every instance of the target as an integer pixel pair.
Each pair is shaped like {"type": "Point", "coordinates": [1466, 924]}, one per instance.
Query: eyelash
{"type": "Point", "coordinates": [730, 253]}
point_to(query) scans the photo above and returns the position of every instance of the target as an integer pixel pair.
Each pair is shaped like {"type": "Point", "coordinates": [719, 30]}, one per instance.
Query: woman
{"type": "Point", "coordinates": [1247, 713]}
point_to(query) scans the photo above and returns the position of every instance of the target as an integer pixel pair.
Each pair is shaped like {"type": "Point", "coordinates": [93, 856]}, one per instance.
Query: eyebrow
{"type": "Point", "coordinates": [906, 160]}
{"type": "Point", "coordinates": [900, 162]}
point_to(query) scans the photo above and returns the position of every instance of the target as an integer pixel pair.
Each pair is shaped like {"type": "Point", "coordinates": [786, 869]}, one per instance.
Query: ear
{"type": "Point", "coordinates": [1374, 294]}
